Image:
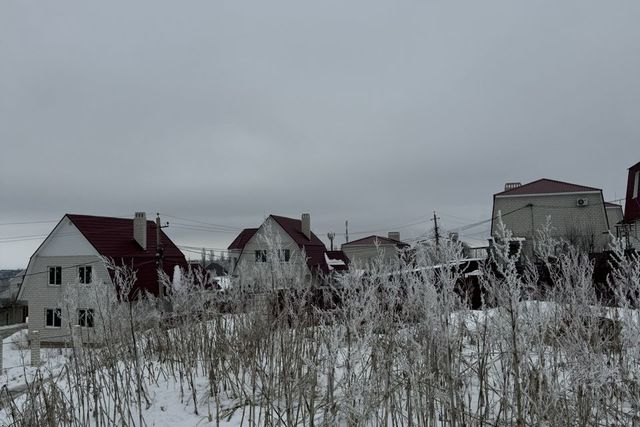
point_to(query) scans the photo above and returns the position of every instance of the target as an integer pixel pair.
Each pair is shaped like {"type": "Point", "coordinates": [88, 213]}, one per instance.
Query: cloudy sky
{"type": "Point", "coordinates": [376, 112]}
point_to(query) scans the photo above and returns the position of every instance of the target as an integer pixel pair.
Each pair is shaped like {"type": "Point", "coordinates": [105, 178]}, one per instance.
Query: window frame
{"type": "Point", "coordinates": [636, 185]}
{"type": "Point", "coordinates": [54, 311]}
{"type": "Point", "coordinates": [57, 275]}
{"type": "Point", "coordinates": [86, 317]}
{"type": "Point", "coordinates": [261, 255]}
{"type": "Point", "coordinates": [284, 255]}
{"type": "Point", "coordinates": [82, 274]}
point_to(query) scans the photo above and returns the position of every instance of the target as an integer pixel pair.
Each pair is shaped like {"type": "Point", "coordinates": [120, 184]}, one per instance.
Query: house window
{"type": "Point", "coordinates": [55, 275]}
{"type": "Point", "coordinates": [284, 255]}
{"type": "Point", "coordinates": [85, 317]}
{"type": "Point", "coordinates": [261, 256]}
{"type": "Point", "coordinates": [53, 317]}
{"type": "Point", "coordinates": [84, 273]}
{"type": "Point", "coordinates": [636, 185]}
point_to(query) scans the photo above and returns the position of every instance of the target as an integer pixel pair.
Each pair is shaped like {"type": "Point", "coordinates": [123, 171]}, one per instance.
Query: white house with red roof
{"type": "Point", "coordinates": [285, 240]}
{"type": "Point", "coordinates": [72, 257]}
{"type": "Point", "coordinates": [578, 213]}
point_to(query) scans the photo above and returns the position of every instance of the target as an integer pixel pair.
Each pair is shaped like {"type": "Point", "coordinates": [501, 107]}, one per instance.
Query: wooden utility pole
{"type": "Point", "coordinates": [159, 255]}
{"type": "Point", "coordinates": [436, 230]}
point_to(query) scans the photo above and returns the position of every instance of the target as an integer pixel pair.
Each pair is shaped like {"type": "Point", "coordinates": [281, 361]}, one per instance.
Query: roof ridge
{"type": "Point", "coordinates": [518, 190]}
{"type": "Point", "coordinates": [377, 237]}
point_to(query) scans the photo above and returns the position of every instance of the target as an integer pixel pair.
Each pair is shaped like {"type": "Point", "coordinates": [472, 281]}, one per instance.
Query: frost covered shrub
{"type": "Point", "coordinates": [394, 345]}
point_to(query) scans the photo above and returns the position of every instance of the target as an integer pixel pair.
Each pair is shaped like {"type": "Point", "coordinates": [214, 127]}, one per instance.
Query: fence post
{"type": "Point", "coordinates": [35, 348]}
{"type": "Point", "coordinates": [1, 354]}
{"type": "Point", "coordinates": [77, 337]}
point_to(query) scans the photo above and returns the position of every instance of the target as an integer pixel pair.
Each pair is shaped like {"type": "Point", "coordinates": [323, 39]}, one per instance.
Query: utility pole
{"type": "Point", "coordinates": [159, 255]}
{"type": "Point", "coordinates": [436, 230]}
{"type": "Point", "coordinates": [346, 231]}
{"type": "Point", "coordinates": [331, 235]}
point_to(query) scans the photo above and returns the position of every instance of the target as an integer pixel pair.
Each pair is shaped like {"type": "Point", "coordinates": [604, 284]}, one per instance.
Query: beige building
{"type": "Point", "coordinates": [365, 251]}
{"type": "Point", "coordinates": [578, 213]}
{"type": "Point", "coordinates": [12, 310]}
{"type": "Point", "coordinates": [614, 215]}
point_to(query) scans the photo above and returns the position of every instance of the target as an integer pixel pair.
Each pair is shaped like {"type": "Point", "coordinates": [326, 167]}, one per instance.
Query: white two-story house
{"type": "Point", "coordinates": [59, 282]}
{"type": "Point", "coordinates": [285, 240]}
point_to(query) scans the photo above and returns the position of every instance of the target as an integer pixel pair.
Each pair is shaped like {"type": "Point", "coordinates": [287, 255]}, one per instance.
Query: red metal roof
{"type": "Point", "coordinates": [371, 241]}
{"type": "Point", "coordinates": [293, 227]}
{"type": "Point", "coordinates": [313, 248]}
{"type": "Point", "coordinates": [113, 238]}
{"type": "Point", "coordinates": [547, 186]}
{"type": "Point", "coordinates": [242, 239]}
{"type": "Point", "coordinates": [632, 206]}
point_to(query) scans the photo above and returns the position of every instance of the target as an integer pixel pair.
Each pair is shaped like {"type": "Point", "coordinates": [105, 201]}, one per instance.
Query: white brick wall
{"type": "Point", "coordinates": [40, 295]}
{"type": "Point", "coordinates": [524, 215]}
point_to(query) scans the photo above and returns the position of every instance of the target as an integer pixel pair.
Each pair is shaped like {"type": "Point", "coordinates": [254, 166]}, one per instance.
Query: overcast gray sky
{"type": "Point", "coordinates": [378, 112]}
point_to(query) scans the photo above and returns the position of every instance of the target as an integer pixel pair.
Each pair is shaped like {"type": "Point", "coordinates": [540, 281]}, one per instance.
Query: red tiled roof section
{"type": "Point", "coordinates": [293, 227]}
{"type": "Point", "coordinates": [242, 239]}
{"type": "Point", "coordinates": [313, 248]}
{"type": "Point", "coordinates": [545, 186]}
{"type": "Point", "coordinates": [371, 241]}
{"type": "Point", "coordinates": [632, 204]}
{"type": "Point", "coordinates": [113, 238]}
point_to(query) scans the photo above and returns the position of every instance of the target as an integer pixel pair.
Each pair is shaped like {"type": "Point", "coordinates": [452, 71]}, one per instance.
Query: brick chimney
{"type": "Point", "coordinates": [394, 235]}
{"type": "Point", "coordinates": [140, 229]}
{"type": "Point", "coordinates": [306, 225]}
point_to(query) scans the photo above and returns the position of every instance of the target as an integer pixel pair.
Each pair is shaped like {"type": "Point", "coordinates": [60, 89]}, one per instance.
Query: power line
{"type": "Point", "coordinates": [228, 227]}
{"type": "Point", "coordinates": [28, 222]}
{"type": "Point", "coordinates": [197, 228]}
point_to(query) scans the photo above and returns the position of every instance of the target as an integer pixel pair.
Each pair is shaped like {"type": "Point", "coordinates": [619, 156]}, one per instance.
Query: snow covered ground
{"type": "Point", "coordinates": [17, 370]}
{"type": "Point", "coordinates": [165, 409]}
{"type": "Point", "coordinates": [170, 401]}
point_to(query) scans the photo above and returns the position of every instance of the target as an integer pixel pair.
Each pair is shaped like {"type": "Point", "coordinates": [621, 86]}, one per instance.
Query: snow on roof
{"type": "Point", "coordinates": [475, 243]}
{"type": "Point", "coordinates": [332, 262]}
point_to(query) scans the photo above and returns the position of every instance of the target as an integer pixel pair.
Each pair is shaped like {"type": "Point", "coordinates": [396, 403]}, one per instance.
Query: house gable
{"type": "Point", "coordinates": [269, 229]}
{"type": "Point", "coordinates": [288, 234]}
{"type": "Point", "coordinates": [66, 240]}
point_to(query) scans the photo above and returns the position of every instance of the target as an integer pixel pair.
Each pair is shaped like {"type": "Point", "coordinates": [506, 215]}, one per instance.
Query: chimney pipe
{"type": "Point", "coordinates": [511, 185]}
{"type": "Point", "coordinates": [394, 235]}
{"type": "Point", "coordinates": [306, 225]}
{"type": "Point", "coordinates": [140, 229]}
